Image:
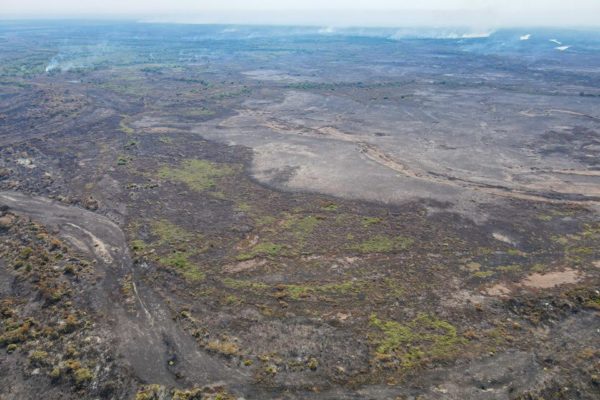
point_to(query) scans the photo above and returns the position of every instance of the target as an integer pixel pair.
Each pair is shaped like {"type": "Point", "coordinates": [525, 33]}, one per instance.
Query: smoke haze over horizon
{"type": "Point", "coordinates": [482, 14]}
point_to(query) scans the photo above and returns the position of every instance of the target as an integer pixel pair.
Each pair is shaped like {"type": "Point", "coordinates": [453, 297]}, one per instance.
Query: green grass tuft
{"type": "Point", "coordinates": [199, 175]}
{"type": "Point", "coordinates": [126, 129]}
{"type": "Point", "coordinates": [266, 249]}
{"type": "Point", "coordinates": [187, 244]}
{"type": "Point", "coordinates": [415, 343]}
{"type": "Point", "coordinates": [368, 221]}
{"type": "Point", "coordinates": [180, 261]}
{"type": "Point", "coordinates": [383, 244]}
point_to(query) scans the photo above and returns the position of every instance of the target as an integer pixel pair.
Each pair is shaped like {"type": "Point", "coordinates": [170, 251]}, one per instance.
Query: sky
{"type": "Point", "coordinates": [482, 13]}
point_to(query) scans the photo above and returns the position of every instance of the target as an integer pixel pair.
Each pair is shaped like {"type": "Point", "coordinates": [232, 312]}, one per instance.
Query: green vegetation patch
{"type": "Point", "coordinates": [297, 292]}
{"type": "Point", "coordinates": [266, 249]}
{"type": "Point", "coordinates": [368, 221]}
{"type": "Point", "coordinates": [155, 392]}
{"type": "Point", "coordinates": [509, 268]}
{"type": "Point", "coordinates": [196, 112]}
{"type": "Point", "coordinates": [383, 244]}
{"type": "Point", "coordinates": [171, 234]}
{"type": "Point", "coordinates": [264, 220]}
{"type": "Point", "coordinates": [306, 225]}
{"type": "Point", "coordinates": [594, 302]}
{"type": "Point", "coordinates": [422, 340]}
{"type": "Point", "coordinates": [483, 274]}
{"type": "Point", "coordinates": [591, 230]}
{"type": "Point", "coordinates": [242, 206]}
{"type": "Point", "coordinates": [199, 175]}
{"type": "Point", "coordinates": [123, 159]}
{"type": "Point", "coordinates": [286, 235]}
{"type": "Point", "coordinates": [582, 246]}
{"type": "Point", "coordinates": [138, 246]}
{"type": "Point", "coordinates": [180, 261]}
{"type": "Point", "coordinates": [331, 207]}
{"type": "Point", "coordinates": [126, 129]}
{"type": "Point", "coordinates": [187, 244]}
{"type": "Point", "coordinates": [301, 227]}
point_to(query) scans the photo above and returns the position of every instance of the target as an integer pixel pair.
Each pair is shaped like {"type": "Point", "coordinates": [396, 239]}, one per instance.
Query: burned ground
{"type": "Point", "coordinates": [295, 217]}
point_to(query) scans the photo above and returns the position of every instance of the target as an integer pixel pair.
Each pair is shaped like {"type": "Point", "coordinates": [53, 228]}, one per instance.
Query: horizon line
{"type": "Point", "coordinates": [108, 18]}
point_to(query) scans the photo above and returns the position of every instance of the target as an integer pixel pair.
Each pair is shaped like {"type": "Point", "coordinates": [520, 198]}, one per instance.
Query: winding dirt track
{"type": "Point", "coordinates": [149, 340]}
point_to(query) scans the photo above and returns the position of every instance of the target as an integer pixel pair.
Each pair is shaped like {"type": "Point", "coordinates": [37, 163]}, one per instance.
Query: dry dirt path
{"type": "Point", "coordinates": [156, 348]}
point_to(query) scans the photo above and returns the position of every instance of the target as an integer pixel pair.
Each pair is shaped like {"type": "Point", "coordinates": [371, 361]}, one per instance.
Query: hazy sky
{"type": "Point", "coordinates": [482, 13]}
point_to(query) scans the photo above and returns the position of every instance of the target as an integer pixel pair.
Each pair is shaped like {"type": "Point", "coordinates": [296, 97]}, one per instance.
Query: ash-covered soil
{"type": "Point", "coordinates": [195, 212]}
